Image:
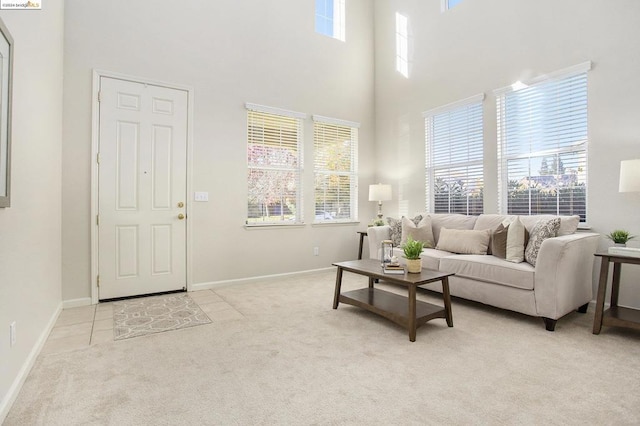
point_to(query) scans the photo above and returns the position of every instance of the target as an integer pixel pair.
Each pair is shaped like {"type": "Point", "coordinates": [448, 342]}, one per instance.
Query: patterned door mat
{"type": "Point", "coordinates": [155, 314]}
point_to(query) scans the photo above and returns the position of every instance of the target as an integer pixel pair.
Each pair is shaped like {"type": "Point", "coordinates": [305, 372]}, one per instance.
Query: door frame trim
{"type": "Point", "coordinates": [95, 130]}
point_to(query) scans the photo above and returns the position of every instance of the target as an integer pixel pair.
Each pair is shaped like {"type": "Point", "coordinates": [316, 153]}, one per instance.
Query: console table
{"type": "Point", "coordinates": [616, 315]}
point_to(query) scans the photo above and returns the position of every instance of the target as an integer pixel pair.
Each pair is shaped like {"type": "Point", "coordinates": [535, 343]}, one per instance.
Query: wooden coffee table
{"type": "Point", "coordinates": [404, 311]}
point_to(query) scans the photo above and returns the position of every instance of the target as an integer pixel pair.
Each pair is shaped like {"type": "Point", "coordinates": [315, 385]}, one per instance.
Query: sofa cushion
{"type": "Point", "coordinates": [515, 241]}
{"type": "Point", "coordinates": [498, 242]}
{"type": "Point", "coordinates": [568, 224]}
{"type": "Point", "coordinates": [431, 258]}
{"type": "Point", "coordinates": [490, 269]}
{"type": "Point", "coordinates": [465, 241]}
{"type": "Point", "coordinates": [420, 232]}
{"type": "Point", "coordinates": [541, 231]}
{"type": "Point", "coordinates": [450, 221]}
{"type": "Point", "coordinates": [491, 221]}
{"type": "Point", "coordinates": [396, 228]}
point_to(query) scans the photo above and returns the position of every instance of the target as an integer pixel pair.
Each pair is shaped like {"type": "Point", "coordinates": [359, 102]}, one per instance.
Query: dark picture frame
{"type": "Point", "coordinates": [6, 79]}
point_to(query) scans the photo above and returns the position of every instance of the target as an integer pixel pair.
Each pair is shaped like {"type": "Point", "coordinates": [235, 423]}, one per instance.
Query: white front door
{"type": "Point", "coordinates": [142, 170]}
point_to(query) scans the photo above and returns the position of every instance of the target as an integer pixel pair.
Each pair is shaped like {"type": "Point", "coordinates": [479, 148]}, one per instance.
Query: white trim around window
{"type": "Point", "coordinates": [454, 148]}
{"type": "Point", "coordinates": [543, 144]}
{"type": "Point", "coordinates": [335, 170]}
{"type": "Point", "coordinates": [274, 166]}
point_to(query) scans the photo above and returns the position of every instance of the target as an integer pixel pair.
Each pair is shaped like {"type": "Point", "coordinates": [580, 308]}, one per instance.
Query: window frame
{"type": "Point", "coordinates": [430, 169]}
{"type": "Point", "coordinates": [402, 44]}
{"type": "Point", "coordinates": [338, 20]}
{"type": "Point", "coordinates": [352, 174]}
{"type": "Point", "coordinates": [299, 170]}
{"type": "Point", "coordinates": [503, 158]}
{"type": "Point", "coordinates": [444, 5]}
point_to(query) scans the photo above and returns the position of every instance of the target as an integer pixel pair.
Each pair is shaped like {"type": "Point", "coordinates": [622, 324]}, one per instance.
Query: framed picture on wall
{"type": "Point", "coordinates": [6, 75]}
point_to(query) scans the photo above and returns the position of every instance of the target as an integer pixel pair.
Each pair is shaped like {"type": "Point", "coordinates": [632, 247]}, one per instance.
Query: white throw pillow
{"type": "Point", "coordinates": [515, 241]}
{"type": "Point", "coordinates": [396, 228]}
{"type": "Point", "coordinates": [464, 241]}
{"type": "Point", "coordinates": [420, 232]}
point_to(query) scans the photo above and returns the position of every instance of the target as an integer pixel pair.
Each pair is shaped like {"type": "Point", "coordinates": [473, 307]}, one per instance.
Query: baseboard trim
{"type": "Point", "coordinates": [14, 390]}
{"type": "Point", "coordinates": [74, 303]}
{"type": "Point", "coordinates": [226, 283]}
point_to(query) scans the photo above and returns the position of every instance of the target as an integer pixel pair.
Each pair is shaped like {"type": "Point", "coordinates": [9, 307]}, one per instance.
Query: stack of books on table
{"type": "Point", "coordinates": [625, 251]}
{"type": "Point", "coordinates": [391, 268]}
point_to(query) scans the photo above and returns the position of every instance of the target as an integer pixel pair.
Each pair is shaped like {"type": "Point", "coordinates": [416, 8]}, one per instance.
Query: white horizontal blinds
{"type": "Point", "coordinates": [543, 147]}
{"type": "Point", "coordinates": [274, 167]}
{"type": "Point", "coordinates": [335, 146]}
{"type": "Point", "coordinates": [454, 163]}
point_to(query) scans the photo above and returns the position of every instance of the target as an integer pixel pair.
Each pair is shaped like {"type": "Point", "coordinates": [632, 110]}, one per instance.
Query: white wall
{"type": "Point", "coordinates": [30, 254]}
{"type": "Point", "coordinates": [230, 52]}
{"type": "Point", "coordinates": [482, 45]}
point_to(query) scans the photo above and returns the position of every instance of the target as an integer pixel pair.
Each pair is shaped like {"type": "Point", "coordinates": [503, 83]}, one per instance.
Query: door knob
{"type": "Point", "coordinates": [180, 216]}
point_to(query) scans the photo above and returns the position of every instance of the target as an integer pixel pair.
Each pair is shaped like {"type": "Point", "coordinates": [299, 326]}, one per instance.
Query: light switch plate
{"type": "Point", "coordinates": [201, 196]}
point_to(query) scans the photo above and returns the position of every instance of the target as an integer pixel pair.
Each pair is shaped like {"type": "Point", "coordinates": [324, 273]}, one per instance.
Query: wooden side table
{"type": "Point", "coordinates": [616, 315]}
{"type": "Point", "coordinates": [362, 235]}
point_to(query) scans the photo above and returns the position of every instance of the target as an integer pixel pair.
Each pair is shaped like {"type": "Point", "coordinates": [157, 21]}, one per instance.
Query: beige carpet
{"type": "Point", "coordinates": [293, 360]}
{"type": "Point", "coordinates": [147, 315]}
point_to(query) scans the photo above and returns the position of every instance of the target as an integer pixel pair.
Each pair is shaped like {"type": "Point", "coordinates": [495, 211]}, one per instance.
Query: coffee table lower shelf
{"type": "Point", "coordinates": [392, 306]}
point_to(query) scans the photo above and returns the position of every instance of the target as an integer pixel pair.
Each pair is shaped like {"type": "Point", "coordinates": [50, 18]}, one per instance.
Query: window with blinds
{"type": "Point", "coordinates": [542, 145]}
{"type": "Point", "coordinates": [335, 167]}
{"type": "Point", "coordinates": [330, 18]}
{"type": "Point", "coordinates": [454, 158]}
{"type": "Point", "coordinates": [274, 158]}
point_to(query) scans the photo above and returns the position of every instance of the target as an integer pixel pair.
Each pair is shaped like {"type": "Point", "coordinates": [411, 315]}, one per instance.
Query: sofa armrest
{"type": "Point", "coordinates": [564, 274]}
{"type": "Point", "coordinates": [375, 236]}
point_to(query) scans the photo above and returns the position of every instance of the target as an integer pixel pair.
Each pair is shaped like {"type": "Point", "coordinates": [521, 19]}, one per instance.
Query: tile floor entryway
{"type": "Point", "coordinates": [90, 325]}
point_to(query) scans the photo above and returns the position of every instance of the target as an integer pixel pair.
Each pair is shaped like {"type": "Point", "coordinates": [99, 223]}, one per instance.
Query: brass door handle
{"type": "Point", "coordinates": [180, 216]}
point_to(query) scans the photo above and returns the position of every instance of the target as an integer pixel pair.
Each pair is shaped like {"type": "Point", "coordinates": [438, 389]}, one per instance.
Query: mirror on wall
{"type": "Point", "coordinates": [6, 68]}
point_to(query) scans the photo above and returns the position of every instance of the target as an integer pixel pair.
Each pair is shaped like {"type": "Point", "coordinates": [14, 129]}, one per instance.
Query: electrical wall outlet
{"type": "Point", "coordinates": [201, 196]}
{"type": "Point", "coordinates": [12, 333]}
{"type": "Point", "coordinates": [316, 251]}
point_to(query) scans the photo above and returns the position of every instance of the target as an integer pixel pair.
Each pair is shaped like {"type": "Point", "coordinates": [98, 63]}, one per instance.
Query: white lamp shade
{"type": "Point", "coordinates": [379, 192]}
{"type": "Point", "coordinates": [630, 176]}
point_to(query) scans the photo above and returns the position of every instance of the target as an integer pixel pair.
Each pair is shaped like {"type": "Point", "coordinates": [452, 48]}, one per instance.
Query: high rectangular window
{"type": "Point", "coordinates": [330, 18]}
{"type": "Point", "coordinates": [542, 145]}
{"type": "Point", "coordinates": [335, 167]}
{"type": "Point", "coordinates": [402, 44]}
{"type": "Point", "coordinates": [454, 157]}
{"type": "Point", "coordinates": [274, 159]}
{"type": "Point", "coordinates": [448, 4]}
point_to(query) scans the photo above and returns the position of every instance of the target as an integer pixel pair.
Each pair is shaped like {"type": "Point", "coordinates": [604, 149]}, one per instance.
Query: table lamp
{"type": "Point", "coordinates": [379, 193]}
{"type": "Point", "coordinates": [629, 182]}
{"type": "Point", "coordinates": [629, 176]}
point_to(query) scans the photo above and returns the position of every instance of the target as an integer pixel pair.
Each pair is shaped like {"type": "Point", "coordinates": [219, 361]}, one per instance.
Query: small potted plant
{"type": "Point", "coordinates": [412, 250]}
{"type": "Point", "coordinates": [620, 237]}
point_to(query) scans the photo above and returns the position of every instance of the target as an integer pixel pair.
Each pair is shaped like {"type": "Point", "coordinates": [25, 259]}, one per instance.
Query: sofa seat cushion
{"type": "Point", "coordinates": [430, 257]}
{"type": "Point", "coordinates": [490, 269]}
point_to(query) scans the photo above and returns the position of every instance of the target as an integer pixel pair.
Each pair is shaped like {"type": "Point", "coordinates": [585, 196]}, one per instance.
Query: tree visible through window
{"type": "Point", "coordinates": [542, 146]}
{"type": "Point", "coordinates": [274, 168]}
{"type": "Point", "coordinates": [335, 145]}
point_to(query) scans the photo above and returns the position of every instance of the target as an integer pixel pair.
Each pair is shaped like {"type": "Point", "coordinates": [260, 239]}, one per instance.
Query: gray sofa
{"type": "Point", "coordinates": [559, 283]}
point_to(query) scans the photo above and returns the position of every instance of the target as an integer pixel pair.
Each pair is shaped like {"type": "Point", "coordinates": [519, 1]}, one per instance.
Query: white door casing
{"type": "Point", "coordinates": [142, 188]}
